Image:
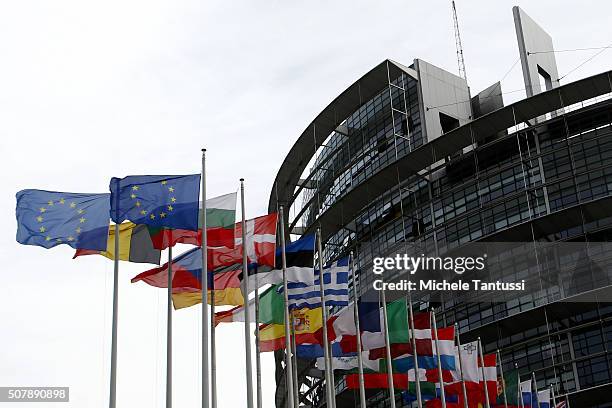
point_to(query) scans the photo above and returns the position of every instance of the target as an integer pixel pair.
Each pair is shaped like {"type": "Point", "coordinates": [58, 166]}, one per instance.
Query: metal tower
{"type": "Point", "coordinates": [460, 61]}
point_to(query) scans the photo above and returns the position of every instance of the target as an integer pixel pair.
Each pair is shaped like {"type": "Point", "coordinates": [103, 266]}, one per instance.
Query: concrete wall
{"type": "Point", "coordinates": [532, 38]}
{"type": "Point", "coordinates": [441, 92]}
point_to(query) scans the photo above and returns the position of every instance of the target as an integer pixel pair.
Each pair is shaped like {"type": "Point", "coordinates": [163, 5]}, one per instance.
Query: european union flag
{"type": "Point", "coordinates": [158, 201]}
{"type": "Point", "coordinates": [50, 218]}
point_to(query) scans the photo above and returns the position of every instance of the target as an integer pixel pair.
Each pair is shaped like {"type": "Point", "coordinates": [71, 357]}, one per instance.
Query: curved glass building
{"type": "Point", "coordinates": [406, 155]}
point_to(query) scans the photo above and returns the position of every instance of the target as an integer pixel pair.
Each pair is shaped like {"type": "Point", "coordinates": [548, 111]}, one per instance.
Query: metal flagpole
{"type": "Point", "coordinates": [520, 391]}
{"type": "Point", "coordinates": [482, 370]}
{"type": "Point", "coordinates": [204, 283]}
{"type": "Point", "coordinates": [288, 358]}
{"type": "Point", "coordinates": [362, 395]}
{"type": "Point", "coordinates": [503, 380]}
{"type": "Point", "coordinates": [388, 351]}
{"type": "Point", "coordinates": [552, 393]}
{"type": "Point", "coordinates": [257, 351]}
{"type": "Point", "coordinates": [245, 291]}
{"type": "Point", "coordinates": [213, 347]}
{"type": "Point", "coordinates": [463, 390]}
{"type": "Point", "coordinates": [296, 379]}
{"type": "Point", "coordinates": [535, 387]}
{"type": "Point", "coordinates": [435, 331]}
{"type": "Point", "coordinates": [417, 381]}
{"type": "Point", "coordinates": [112, 400]}
{"type": "Point", "coordinates": [169, 334]}
{"type": "Point", "coordinates": [329, 371]}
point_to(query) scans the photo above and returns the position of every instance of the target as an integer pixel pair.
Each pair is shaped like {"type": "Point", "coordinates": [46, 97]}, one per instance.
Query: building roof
{"type": "Point", "coordinates": [324, 124]}
{"type": "Point", "coordinates": [347, 207]}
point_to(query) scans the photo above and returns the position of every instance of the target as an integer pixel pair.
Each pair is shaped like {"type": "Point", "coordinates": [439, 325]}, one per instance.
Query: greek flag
{"type": "Point", "coordinates": [335, 283]}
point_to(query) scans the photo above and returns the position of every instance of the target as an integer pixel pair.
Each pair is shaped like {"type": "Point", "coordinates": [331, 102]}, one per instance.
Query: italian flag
{"type": "Point", "coordinates": [271, 309]}
{"type": "Point", "coordinates": [220, 224]}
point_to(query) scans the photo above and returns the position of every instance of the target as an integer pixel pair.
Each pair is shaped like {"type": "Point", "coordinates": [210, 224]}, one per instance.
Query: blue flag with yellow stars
{"type": "Point", "coordinates": [51, 218]}
{"type": "Point", "coordinates": [158, 201]}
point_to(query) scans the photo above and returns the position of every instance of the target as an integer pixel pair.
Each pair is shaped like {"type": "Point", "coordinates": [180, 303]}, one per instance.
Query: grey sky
{"type": "Point", "coordinates": [90, 90]}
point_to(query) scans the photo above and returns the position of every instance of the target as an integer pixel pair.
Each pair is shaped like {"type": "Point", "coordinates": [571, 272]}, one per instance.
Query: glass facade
{"type": "Point", "coordinates": [481, 190]}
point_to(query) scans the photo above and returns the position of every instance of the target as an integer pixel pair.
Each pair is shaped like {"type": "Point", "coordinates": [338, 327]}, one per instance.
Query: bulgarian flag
{"type": "Point", "coordinates": [220, 225]}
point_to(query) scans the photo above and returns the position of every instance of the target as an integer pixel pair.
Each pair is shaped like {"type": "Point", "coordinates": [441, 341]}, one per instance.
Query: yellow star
{"type": "Point", "coordinates": [137, 203]}
{"type": "Point", "coordinates": [82, 220]}
{"type": "Point", "coordinates": [72, 204]}
{"type": "Point", "coordinates": [62, 201]}
{"type": "Point", "coordinates": [50, 203]}
{"type": "Point", "coordinates": [78, 230]}
{"type": "Point", "coordinates": [80, 211]}
{"type": "Point", "coordinates": [48, 238]}
{"type": "Point", "coordinates": [171, 189]}
{"type": "Point", "coordinates": [43, 209]}
{"type": "Point", "coordinates": [173, 199]}
{"type": "Point", "coordinates": [133, 195]}
{"type": "Point", "coordinates": [170, 208]}
{"type": "Point", "coordinates": [162, 214]}
{"type": "Point", "coordinates": [152, 216]}
{"type": "Point", "coordinates": [135, 188]}
{"type": "Point", "coordinates": [143, 212]}
{"type": "Point", "coordinates": [59, 240]}
{"type": "Point", "coordinates": [70, 239]}
{"type": "Point", "coordinates": [164, 182]}
{"type": "Point", "coordinates": [42, 229]}
{"type": "Point", "coordinates": [39, 218]}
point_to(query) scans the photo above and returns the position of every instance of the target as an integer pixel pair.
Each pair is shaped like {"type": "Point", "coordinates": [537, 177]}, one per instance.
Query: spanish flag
{"type": "Point", "coordinates": [135, 245]}
{"type": "Point", "coordinates": [306, 322]}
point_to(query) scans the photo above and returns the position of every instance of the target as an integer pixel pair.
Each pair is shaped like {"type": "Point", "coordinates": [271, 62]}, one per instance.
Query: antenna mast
{"type": "Point", "coordinates": [460, 61]}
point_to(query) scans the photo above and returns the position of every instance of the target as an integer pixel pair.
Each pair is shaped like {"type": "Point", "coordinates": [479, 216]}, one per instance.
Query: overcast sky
{"type": "Point", "coordinates": [91, 90]}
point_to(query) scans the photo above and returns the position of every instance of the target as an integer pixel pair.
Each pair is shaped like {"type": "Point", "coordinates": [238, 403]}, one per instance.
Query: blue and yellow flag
{"type": "Point", "coordinates": [50, 218]}
{"type": "Point", "coordinates": [158, 201]}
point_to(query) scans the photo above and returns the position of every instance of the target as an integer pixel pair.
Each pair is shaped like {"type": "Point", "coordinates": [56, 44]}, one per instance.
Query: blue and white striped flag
{"type": "Point", "coordinates": [335, 280]}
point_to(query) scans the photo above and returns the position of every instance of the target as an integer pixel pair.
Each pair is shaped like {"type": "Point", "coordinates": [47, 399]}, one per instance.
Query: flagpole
{"type": "Point", "coordinates": [484, 379]}
{"type": "Point", "coordinates": [435, 330]}
{"type": "Point", "coordinates": [113, 371]}
{"type": "Point", "coordinates": [204, 283]}
{"type": "Point", "coordinates": [535, 387]}
{"type": "Point", "coordinates": [288, 358]}
{"type": "Point", "coordinates": [257, 351]}
{"type": "Point", "coordinates": [329, 371]}
{"type": "Point", "coordinates": [520, 391]}
{"type": "Point", "coordinates": [388, 352]}
{"type": "Point", "coordinates": [296, 379]}
{"type": "Point", "coordinates": [417, 380]}
{"type": "Point", "coordinates": [213, 347]}
{"type": "Point", "coordinates": [501, 372]}
{"type": "Point", "coordinates": [169, 334]}
{"type": "Point", "coordinates": [552, 393]}
{"type": "Point", "coordinates": [362, 395]}
{"type": "Point", "coordinates": [245, 290]}
{"type": "Point", "coordinates": [463, 390]}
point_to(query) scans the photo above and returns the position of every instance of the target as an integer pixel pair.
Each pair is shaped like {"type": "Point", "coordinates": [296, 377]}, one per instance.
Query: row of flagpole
{"type": "Point", "coordinates": [208, 385]}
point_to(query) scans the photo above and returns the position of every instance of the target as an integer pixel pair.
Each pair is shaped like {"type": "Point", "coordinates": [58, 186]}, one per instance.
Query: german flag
{"type": "Point", "coordinates": [186, 280]}
{"type": "Point", "coordinates": [135, 245]}
{"type": "Point", "coordinates": [226, 291]}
